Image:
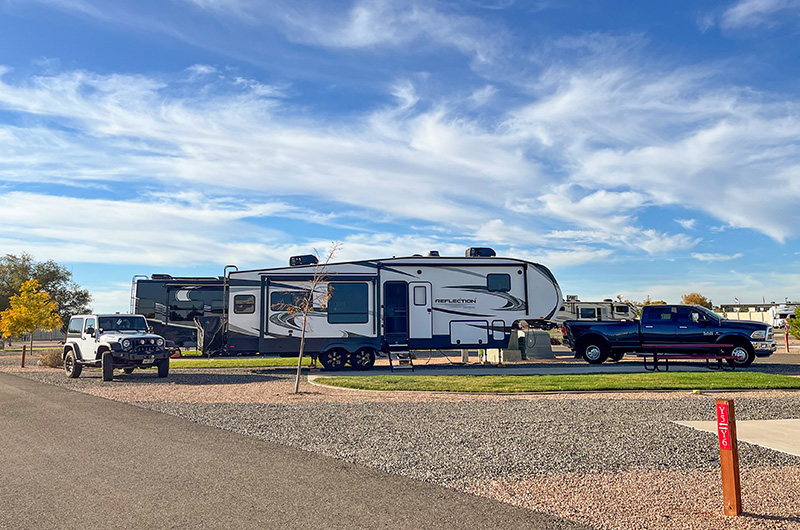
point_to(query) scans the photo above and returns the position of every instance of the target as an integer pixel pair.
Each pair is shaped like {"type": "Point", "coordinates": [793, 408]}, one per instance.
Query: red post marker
{"type": "Point", "coordinates": [729, 457]}
{"type": "Point", "coordinates": [24, 346]}
{"type": "Point", "coordinates": [786, 335]}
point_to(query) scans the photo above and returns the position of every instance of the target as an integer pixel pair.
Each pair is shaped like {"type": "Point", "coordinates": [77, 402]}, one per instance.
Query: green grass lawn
{"type": "Point", "coordinates": [235, 362]}
{"type": "Point", "coordinates": [548, 383]}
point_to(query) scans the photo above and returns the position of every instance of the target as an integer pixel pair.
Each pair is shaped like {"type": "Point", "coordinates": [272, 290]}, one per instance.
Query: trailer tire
{"type": "Point", "coordinates": [363, 358]}
{"type": "Point", "coordinates": [107, 361]}
{"type": "Point", "coordinates": [333, 359]}
{"type": "Point", "coordinates": [744, 353]}
{"type": "Point", "coordinates": [593, 350]}
{"type": "Point", "coordinates": [128, 369]}
{"type": "Point", "coordinates": [72, 366]}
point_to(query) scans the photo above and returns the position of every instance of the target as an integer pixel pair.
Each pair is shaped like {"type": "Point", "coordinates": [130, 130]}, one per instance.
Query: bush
{"type": "Point", "coordinates": [51, 358]}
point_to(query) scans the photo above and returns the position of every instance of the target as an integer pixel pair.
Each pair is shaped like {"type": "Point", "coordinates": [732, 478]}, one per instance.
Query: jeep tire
{"type": "Point", "coordinates": [72, 366]}
{"type": "Point", "coordinates": [107, 361]}
{"type": "Point", "coordinates": [163, 368]}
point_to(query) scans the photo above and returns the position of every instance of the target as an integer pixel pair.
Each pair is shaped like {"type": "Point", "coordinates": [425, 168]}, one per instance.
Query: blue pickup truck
{"type": "Point", "coordinates": [687, 329]}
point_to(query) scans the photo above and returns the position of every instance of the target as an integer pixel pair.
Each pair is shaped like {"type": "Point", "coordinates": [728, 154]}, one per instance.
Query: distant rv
{"type": "Point", "coordinates": [171, 303]}
{"type": "Point", "coordinates": [608, 309]}
{"type": "Point", "coordinates": [781, 313]}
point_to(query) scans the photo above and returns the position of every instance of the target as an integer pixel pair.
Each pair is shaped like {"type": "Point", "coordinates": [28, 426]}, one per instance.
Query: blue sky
{"type": "Point", "coordinates": [636, 148]}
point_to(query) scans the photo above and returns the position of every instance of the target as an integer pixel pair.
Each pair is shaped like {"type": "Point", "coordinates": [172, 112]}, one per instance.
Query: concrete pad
{"type": "Point", "coordinates": [780, 435]}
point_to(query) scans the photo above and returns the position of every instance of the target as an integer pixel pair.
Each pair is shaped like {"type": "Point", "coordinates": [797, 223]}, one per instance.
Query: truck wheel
{"type": "Point", "coordinates": [72, 366]}
{"type": "Point", "coordinates": [107, 360]}
{"type": "Point", "coordinates": [363, 359]}
{"type": "Point", "coordinates": [128, 369]}
{"type": "Point", "coordinates": [333, 360]}
{"type": "Point", "coordinates": [163, 368]}
{"type": "Point", "coordinates": [744, 355]}
{"type": "Point", "coordinates": [594, 351]}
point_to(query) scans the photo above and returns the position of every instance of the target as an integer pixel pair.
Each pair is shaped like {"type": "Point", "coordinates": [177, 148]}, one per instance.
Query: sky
{"type": "Point", "coordinates": [637, 149]}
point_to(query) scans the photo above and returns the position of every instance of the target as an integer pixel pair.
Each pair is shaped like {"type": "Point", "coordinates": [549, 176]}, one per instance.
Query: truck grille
{"type": "Point", "coordinates": [147, 348]}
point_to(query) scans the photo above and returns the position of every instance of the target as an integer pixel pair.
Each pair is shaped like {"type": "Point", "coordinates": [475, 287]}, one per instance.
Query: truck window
{"type": "Point", "coordinates": [75, 326]}
{"type": "Point", "coordinates": [498, 282]}
{"type": "Point", "coordinates": [348, 303]}
{"type": "Point", "coordinates": [244, 304]}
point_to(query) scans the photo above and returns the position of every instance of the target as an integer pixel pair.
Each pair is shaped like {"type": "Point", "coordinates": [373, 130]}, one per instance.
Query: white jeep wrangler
{"type": "Point", "coordinates": [113, 341]}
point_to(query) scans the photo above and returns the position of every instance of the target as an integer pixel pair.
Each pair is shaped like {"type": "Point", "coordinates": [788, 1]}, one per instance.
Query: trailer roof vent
{"type": "Point", "coordinates": [307, 259]}
{"type": "Point", "coordinates": [160, 277]}
{"type": "Point", "coordinates": [480, 252]}
{"type": "Point", "coordinates": [433, 253]}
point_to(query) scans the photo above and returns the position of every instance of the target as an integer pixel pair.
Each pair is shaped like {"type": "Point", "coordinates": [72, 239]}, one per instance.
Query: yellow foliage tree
{"type": "Point", "coordinates": [29, 311]}
{"type": "Point", "coordinates": [696, 299]}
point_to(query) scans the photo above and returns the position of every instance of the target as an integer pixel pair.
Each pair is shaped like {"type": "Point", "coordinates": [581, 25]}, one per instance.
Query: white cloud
{"type": "Point", "coordinates": [751, 13]}
{"type": "Point", "coordinates": [716, 257]}
{"type": "Point", "coordinates": [687, 224]}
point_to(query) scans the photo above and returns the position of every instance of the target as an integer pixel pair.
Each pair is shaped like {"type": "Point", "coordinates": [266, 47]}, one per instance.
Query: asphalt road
{"type": "Point", "coordinates": [70, 460]}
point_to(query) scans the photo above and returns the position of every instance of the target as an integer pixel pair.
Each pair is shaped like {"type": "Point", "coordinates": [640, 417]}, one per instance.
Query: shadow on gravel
{"type": "Point", "coordinates": [146, 377]}
{"type": "Point", "coordinates": [775, 518]}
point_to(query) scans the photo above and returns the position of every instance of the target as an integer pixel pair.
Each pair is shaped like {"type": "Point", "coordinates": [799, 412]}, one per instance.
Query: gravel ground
{"type": "Point", "coordinates": [606, 460]}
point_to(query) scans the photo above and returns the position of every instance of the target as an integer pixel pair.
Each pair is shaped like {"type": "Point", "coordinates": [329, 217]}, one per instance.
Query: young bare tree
{"type": "Point", "coordinates": [315, 294]}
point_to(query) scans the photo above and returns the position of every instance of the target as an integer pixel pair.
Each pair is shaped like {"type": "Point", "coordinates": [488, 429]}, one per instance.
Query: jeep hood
{"type": "Point", "coordinates": [121, 335]}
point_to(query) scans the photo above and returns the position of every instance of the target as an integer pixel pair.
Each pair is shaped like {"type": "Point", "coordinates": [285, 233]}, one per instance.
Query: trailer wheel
{"type": "Point", "coordinates": [72, 366]}
{"type": "Point", "coordinates": [128, 369]}
{"type": "Point", "coordinates": [744, 355]}
{"type": "Point", "coordinates": [363, 359]}
{"type": "Point", "coordinates": [333, 360]}
{"type": "Point", "coordinates": [107, 360]}
{"type": "Point", "coordinates": [594, 351]}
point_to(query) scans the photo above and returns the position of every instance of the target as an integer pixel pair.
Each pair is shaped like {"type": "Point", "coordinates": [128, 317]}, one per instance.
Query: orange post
{"type": "Point", "coordinates": [24, 347]}
{"type": "Point", "coordinates": [786, 335]}
{"type": "Point", "coordinates": [729, 457]}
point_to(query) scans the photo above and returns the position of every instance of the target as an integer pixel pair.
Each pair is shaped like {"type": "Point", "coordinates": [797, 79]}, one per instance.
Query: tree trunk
{"type": "Point", "coordinates": [300, 357]}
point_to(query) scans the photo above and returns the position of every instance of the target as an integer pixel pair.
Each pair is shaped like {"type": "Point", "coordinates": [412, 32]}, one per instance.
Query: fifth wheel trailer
{"type": "Point", "coordinates": [387, 305]}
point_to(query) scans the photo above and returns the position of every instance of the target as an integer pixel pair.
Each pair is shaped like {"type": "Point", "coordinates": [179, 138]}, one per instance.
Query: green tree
{"type": "Point", "coordinates": [696, 299]}
{"type": "Point", "coordinates": [29, 311]}
{"type": "Point", "coordinates": [54, 279]}
{"type": "Point", "coordinates": [793, 324]}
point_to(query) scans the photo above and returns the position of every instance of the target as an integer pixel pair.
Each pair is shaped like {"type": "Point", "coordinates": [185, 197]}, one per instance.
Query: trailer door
{"type": "Point", "coordinates": [420, 320]}
{"type": "Point", "coordinates": [395, 312]}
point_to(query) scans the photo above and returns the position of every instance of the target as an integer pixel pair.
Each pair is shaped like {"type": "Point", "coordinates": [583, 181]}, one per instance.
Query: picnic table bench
{"type": "Point", "coordinates": [667, 352]}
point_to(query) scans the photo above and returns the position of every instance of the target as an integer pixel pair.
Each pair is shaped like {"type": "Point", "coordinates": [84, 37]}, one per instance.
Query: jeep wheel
{"type": "Point", "coordinates": [128, 369]}
{"type": "Point", "coordinates": [163, 368]}
{"type": "Point", "coordinates": [107, 360]}
{"type": "Point", "coordinates": [72, 366]}
{"type": "Point", "coordinates": [594, 351]}
{"type": "Point", "coordinates": [743, 354]}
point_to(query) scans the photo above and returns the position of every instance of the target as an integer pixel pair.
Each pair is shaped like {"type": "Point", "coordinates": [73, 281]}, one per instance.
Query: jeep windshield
{"type": "Point", "coordinates": [122, 323]}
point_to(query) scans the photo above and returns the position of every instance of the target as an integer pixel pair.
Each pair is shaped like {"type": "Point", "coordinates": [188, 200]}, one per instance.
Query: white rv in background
{"type": "Point", "coordinates": [781, 313]}
{"type": "Point", "coordinates": [608, 309]}
{"type": "Point", "coordinates": [388, 305]}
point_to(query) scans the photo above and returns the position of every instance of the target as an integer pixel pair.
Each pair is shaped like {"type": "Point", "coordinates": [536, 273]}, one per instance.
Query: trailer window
{"type": "Point", "coordinates": [419, 295]}
{"type": "Point", "coordinates": [287, 300]}
{"type": "Point", "coordinates": [621, 309]}
{"type": "Point", "coordinates": [348, 303]}
{"type": "Point", "coordinates": [498, 282]}
{"type": "Point", "coordinates": [75, 326]}
{"type": "Point", "coordinates": [244, 303]}
{"type": "Point", "coordinates": [588, 312]}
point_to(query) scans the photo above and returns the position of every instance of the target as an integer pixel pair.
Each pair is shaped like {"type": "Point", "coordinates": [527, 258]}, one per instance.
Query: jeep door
{"type": "Point", "coordinates": [88, 342]}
